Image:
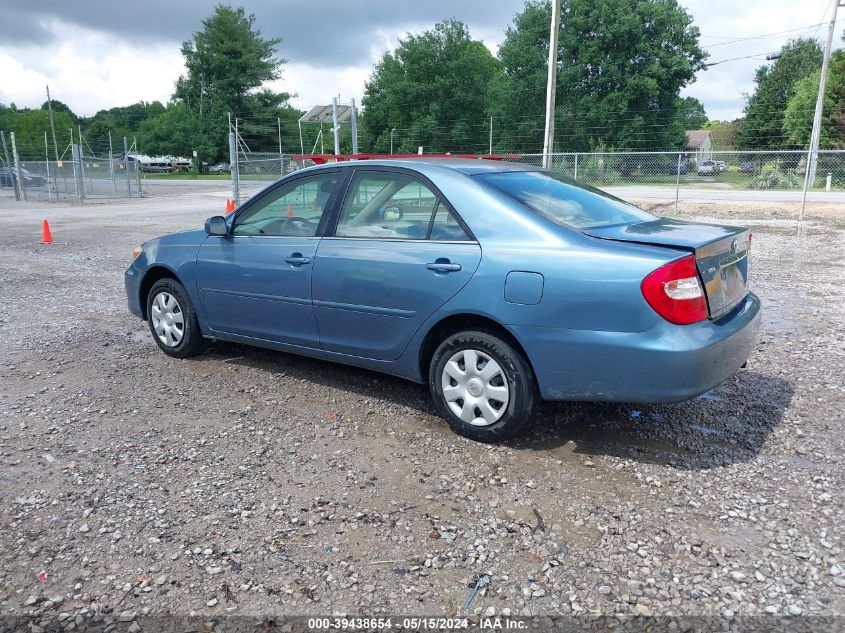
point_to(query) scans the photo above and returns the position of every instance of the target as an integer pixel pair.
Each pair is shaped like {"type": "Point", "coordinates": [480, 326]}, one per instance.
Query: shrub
{"type": "Point", "coordinates": [773, 178]}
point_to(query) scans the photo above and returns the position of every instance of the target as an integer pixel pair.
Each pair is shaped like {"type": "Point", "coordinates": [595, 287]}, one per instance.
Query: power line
{"type": "Point", "coordinates": [809, 27]}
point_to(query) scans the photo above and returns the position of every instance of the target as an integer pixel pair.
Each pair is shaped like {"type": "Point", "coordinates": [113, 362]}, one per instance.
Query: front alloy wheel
{"type": "Point", "coordinates": [173, 321]}
{"type": "Point", "coordinates": [168, 319]}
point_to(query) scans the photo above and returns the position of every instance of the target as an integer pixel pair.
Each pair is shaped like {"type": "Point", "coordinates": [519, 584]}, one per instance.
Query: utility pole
{"type": "Point", "coordinates": [52, 125]}
{"type": "Point", "coordinates": [817, 117]}
{"type": "Point", "coordinates": [335, 127]}
{"type": "Point", "coordinates": [551, 85]}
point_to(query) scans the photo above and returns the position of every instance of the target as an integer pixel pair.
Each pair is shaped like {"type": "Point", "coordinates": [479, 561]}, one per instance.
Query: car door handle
{"type": "Point", "coordinates": [297, 259]}
{"type": "Point", "coordinates": [443, 266]}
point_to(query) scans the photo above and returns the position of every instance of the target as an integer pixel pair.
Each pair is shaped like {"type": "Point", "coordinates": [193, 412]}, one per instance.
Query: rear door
{"type": "Point", "coordinates": [398, 253]}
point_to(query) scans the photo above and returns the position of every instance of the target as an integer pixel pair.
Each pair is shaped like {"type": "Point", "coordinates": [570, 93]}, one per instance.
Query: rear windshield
{"type": "Point", "coordinates": [564, 201]}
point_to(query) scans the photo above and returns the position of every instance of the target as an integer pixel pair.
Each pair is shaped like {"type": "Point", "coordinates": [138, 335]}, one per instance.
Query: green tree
{"type": "Point", "coordinates": [60, 106]}
{"type": "Point", "coordinates": [691, 113]}
{"type": "Point", "coordinates": [173, 133]}
{"type": "Point", "coordinates": [774, 87]}
{"type": "Point", "coordinates": [122, 122]}
{"type": "Point", "coordinates": [620, 73]}
{"type": "Point", "coordinates": [227, 62]}
{"type": "Point", "coordinates": [433, 90]}
{"type": "Point", "coordinates": [29, 126]}
{"type": "Point", "coordinates": [800, 110]}
{"type": "Point", "coordinates": [724, 134]}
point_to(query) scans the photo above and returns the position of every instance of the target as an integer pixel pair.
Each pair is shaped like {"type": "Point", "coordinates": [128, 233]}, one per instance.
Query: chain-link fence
{"type": "Point", "coordinates": [669, 179]}
{"type": "Point", "coordinates": [74, 176]}
{"type": "Point", "coordinates": [80, 178]}
{"type": "Point", "coordinates": [255, 171]}
{"type": "Point", "coordinates": [651, 179]}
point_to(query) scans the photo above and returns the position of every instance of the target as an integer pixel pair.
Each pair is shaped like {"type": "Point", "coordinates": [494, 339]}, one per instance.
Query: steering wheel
{"type": "Point", "coordinates": [302, 224]}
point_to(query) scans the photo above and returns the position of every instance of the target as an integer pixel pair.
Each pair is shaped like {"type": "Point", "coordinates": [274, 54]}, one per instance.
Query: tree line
{"type": "Point", "coordinates": [620, 77]}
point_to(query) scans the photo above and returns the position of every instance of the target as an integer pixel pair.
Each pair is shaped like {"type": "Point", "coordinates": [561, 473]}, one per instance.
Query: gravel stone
{"type": "Point", "coordinates": [267, 483]}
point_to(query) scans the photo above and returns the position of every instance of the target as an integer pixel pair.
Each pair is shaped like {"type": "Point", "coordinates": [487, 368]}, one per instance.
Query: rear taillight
{"type": "Point", "coordinates": [674, 291]}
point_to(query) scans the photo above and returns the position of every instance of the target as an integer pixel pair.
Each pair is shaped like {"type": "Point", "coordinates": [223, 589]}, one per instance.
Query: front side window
{"type": "Point", "coordinates": [387, 205]}
{"type": "Point", "coordinates": [292, 209]}
{"type": "Point", "coordinates": [563, 201]}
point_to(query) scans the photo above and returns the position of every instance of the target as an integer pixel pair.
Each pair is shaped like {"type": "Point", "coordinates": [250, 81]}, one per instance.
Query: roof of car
{"type": "Point", "coordinates": [468, 166]}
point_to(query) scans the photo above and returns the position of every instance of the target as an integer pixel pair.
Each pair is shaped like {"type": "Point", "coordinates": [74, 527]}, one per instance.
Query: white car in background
{"type": "Point", "coordinates": [707, 168]}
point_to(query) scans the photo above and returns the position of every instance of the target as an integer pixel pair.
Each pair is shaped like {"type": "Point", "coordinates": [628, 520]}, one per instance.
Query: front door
{"type": "Point", "coordinates": [398, 254]}
{"type": "Point", "coordinates": [256, 282]}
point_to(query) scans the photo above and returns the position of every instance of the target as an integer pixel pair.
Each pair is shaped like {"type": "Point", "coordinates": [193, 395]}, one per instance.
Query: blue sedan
{"type": "Point", "coordinates": [498, 284]}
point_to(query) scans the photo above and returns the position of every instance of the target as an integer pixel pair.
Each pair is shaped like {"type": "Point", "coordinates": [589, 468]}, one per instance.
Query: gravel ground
{"type": "Point", "coordinates": [252, 482]}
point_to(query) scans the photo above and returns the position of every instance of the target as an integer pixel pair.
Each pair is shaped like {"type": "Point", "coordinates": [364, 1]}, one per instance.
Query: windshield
{"type": "Point", "coordinates": [564, 201]}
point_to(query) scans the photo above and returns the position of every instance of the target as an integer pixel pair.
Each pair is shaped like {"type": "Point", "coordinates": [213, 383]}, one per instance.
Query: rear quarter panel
{"type": "Point", "coordinates": [589, 283]}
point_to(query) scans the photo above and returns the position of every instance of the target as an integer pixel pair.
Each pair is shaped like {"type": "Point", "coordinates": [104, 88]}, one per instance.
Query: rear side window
{"type": "Point", "coordinates": [445, 226]}
{"type": "Point", "coordinates": [563, 201]}
{"type": "Point", "coordinates": [395, 206]}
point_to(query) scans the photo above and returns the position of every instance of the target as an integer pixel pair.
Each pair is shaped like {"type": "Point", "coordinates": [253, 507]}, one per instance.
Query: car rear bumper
{"type": "Point", "coordinates": [667, 363]}
{"type": "Point", "coordinates": [132, 283]}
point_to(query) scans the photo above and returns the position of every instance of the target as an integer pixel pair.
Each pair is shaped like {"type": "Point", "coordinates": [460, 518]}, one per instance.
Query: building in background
{"type": "Point", "coordinates": [700, 145]}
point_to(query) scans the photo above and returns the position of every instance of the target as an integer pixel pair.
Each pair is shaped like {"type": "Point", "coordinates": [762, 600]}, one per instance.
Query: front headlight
{"type": "Point", "coordinates": [136, 252]}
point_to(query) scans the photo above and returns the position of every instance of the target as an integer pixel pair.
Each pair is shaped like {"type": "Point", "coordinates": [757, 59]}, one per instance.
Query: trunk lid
{"type": "Point", "coordinates": [721, 254]}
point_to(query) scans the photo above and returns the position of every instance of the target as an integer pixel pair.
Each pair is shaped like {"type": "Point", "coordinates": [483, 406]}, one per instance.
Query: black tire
{"type": "Point", "coordinates": [515, 371]}
{"type": "Point", "coordinates": [191, 341]}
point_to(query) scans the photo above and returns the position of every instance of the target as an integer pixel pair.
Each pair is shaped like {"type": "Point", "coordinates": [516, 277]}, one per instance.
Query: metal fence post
{"type": "Point", "coordinates": [678, 182]}
{"type": "Point", "coordinates": [137, 166]}
{"type": "Point", "coordinates": [18, 181]}
{"type": "Point", "coordinates": [233, 167]}
{"type": "Point", "coordinates": [47, 165]}
{"type": "Point", "coordinates": [126, 166]}
{"type": "Point", "coordinates": [111, 168]}
{"type": "Point", "coordinates": [806, 185]}
{"type": "Point", "coordinates": [354, 122]}
{"type": "Point", "coordinates": [77, 173]}
{"type": "Point", "coordinates": [82, 163]}
{"type": "Point", "coordinates": [281, 159]}
{"type": "Point", "coordinates": [8, 161]}
{"type": "Point", "coordinates": [576, 166]}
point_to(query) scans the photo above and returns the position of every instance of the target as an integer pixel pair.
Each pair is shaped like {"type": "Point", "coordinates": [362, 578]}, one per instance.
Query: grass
{"type": "Point", "coordinates": [186, 176]}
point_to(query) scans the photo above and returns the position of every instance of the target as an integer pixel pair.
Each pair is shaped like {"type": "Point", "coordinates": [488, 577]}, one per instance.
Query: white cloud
{"type": "Point", "coordinates": [730, 29]}
{"type": "Point", "coordinates": [317, 86]}
{"type": "Point", "coordinates": [89, 71]}
{"type": "Point", "coordinates": [92, 69]}
{"type": "Point", "coordinates": [21, 85]}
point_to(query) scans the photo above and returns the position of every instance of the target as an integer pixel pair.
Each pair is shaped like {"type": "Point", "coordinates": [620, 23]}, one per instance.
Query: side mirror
{"type": "Point", "coordinates": [216, 225]}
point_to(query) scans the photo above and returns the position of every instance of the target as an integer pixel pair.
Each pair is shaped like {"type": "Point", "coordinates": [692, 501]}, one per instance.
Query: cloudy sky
{"type": "Point", "coordinates": [96, 54]}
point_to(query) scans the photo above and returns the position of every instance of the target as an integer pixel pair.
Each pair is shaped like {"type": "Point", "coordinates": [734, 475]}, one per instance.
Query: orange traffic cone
{"type": "Point", "coordinates": [230, 205]}
{"type": "Point", "coordinates": [290, 212]}
{"type": "Point", "coordinates": [46, 236]}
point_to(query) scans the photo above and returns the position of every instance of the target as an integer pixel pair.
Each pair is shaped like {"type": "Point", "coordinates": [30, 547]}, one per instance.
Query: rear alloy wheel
{"type": "Point", "coordinates": [172, 319]}
{"type": "Point", "coordinates": [482, 386]}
